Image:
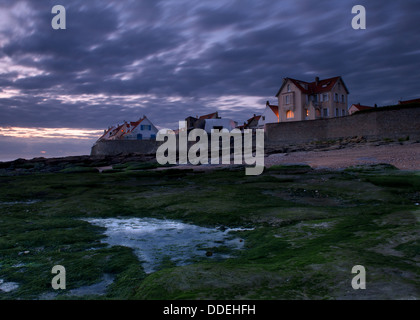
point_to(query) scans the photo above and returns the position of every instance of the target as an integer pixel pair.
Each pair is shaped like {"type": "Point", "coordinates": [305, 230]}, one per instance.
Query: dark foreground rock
{"type": "Point", "coordinates": [50, 165]}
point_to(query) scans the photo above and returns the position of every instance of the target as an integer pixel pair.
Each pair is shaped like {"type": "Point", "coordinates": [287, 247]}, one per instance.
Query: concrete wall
{"type": "Point", "coordinates": [115, 147]}
{"type": "Point", "coordinates": [381, 124]}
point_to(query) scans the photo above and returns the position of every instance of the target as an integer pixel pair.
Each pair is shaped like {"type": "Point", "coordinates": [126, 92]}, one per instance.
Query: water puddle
{"type": "Point", "coordinates": [94, 289]}
{"type": "Point", "coordinates": [11, 203]}
{"type": "Point", "coordinates": [155, 240]}
{"type": "Point", "coordinates": [8, 286]}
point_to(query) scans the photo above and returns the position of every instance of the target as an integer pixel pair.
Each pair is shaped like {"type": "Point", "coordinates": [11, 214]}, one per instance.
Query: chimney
{"type": "Point", "coordinates": [316, 80]}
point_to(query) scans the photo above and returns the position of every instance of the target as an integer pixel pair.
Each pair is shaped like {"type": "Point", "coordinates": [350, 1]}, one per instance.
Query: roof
{"type": "Point", "coordinates": [213, 115]}
{"type": "Point", "coordinates": [254, 118]}
{"type": "Point", "coordinates": [134, 125]}
{"type": "Point", "coordinates": [360, 107]}
{"type": "Point", "coordinates": [409, 101]}
{"type": "Point", "coordinates": [315, 87]}
{"type": "Point", "coordinates": [274, 108]}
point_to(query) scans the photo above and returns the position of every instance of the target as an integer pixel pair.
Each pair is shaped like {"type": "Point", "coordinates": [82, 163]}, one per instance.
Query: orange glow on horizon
{"type": "Point", "coordinates": [50, 133]}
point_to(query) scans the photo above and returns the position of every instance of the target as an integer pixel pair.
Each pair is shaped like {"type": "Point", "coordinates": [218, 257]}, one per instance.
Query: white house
{"type": "Point", "coordinates": [270, 115]}
{"type": "Point", "coordinates": [143, 129]}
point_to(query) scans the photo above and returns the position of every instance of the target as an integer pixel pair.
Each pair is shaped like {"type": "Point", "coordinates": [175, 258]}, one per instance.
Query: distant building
{"type": "Point", "coordinates": [219, 124]}
{"type": "Point", "coordinates": [300, 100]}
{"type": "Point", "coordinates": [214, 115]}
{"type": "Point", "coordinates": [252, 123]}
{"type": "Point", "coordinates": [210, 121]}
{"type": "Point", "coordinates": [143, 129]}
{"type": "Point", "coordinates": [270, 115]}
{"type": "Point", "coordinates": [358, 107]}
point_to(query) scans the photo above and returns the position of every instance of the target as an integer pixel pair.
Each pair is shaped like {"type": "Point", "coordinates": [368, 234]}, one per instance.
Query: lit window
{"type": "Point", "coordinates": [307, 112]}
{"type": "Point", "coordinates": [290, 114]}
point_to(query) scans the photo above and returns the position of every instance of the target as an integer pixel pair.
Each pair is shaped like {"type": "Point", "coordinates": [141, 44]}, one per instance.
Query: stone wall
{"type": "Point", "coordinates": [115, 147]}
{"type": "Point", "coordinates": [390, 123]}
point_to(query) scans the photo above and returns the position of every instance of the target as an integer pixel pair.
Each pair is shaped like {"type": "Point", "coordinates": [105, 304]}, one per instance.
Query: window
{"type": "Point", "coordinates": [343, 112]}
{"type": "Point", "coordinates": [287, 99]}
{"type": "Point", "coordinates": [290, 114]}
{"type": "Point", "coordinates": [325, 112]}
{"type": "Point", "coordinates": [337, 113]}
{"type": "Point", "coordinates": [263, 118]}
{"type": "Point", "coordinates": [306, 113]}
{"type": "Point", "coordinates": [288, 88]}
{"type": "Point", "coordinates": [325, 97]}
{"type": "Point", "coordinates": [336, 97]}
{"type": "Point", "coordinates": [342, 98]}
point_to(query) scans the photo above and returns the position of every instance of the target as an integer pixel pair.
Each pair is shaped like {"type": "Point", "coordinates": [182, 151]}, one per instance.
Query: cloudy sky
{"type": "Point", "coordinates": [168, 59]}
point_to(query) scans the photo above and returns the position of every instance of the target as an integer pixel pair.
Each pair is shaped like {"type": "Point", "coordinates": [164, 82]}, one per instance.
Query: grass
{"type": "Point", "coordinates": [310, 227]}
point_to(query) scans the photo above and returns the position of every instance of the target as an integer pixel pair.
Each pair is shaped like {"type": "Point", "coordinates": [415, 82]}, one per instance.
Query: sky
{"type": "Point", "coordinates": [170, 59]}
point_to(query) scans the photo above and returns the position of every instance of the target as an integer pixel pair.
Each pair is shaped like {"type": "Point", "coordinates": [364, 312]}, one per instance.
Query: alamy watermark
{"type": "Point", "coordinates": [359, 281]}
{"type": "Point", "coordinates": [359, 20]}
{"type": "Point", "coordinates": [59, 20]}
{"type": "Point", "coordinates": [58, 281]}
{"type": "Point", "coordinates": [175, 149]}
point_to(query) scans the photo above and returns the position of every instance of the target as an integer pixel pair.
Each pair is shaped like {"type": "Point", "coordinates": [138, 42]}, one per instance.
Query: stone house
{"type": "Point", "coordinates": [300, 100]}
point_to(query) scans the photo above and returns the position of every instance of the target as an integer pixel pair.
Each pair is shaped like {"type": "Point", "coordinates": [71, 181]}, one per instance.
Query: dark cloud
{"type": "Point", "coordinates": [118, 60]}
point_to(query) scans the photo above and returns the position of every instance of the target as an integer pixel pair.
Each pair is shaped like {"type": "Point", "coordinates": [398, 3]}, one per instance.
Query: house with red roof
{"type": "Point", "coordinates": [358, 107]}
{"type": "Point", "coordinates": [142, 129]}
{"type": "Point", "coordinates": [300, 100]}
{"type": "Point", "coordinates": [214, 115]}
{"type": "Point", "coordinates": [252, 123]}
{"type": "Point", "coordinates": [409, 101]}
{"type": "Point", "coordinates": [270, 115]}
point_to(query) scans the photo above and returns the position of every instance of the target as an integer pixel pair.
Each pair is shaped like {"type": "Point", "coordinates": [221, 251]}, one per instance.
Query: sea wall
{"type": "Point", "coordinates": [380, 124]}
{"type": "Point", "coordinates": [116, 147]}
{"type": "Point", "coordinates": [383, 123]}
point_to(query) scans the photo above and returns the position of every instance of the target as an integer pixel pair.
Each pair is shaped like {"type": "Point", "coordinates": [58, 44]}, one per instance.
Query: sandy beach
{"type": "Point", "coordinates": [402, 156]}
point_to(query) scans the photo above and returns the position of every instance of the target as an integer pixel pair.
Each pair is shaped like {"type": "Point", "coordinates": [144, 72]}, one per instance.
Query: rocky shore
{"type": "Point", "coordinates": [403, 154]}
